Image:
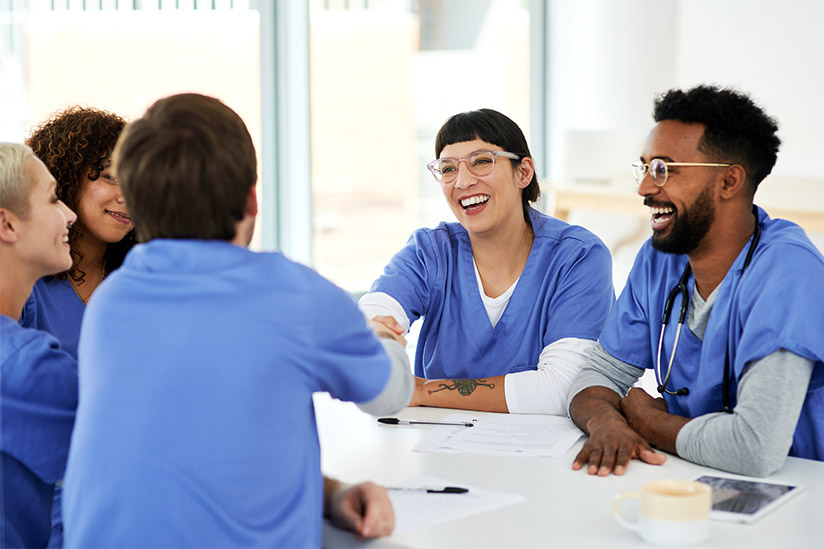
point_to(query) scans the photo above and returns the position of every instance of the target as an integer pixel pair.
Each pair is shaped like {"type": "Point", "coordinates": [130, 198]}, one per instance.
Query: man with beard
{"type": "Point", "coordinates": [742, 382]}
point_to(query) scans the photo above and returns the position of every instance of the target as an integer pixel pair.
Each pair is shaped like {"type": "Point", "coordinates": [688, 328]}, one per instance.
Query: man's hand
{"type": "Point", "coordinates": [362, 508]}
{"type": "Point", "coordinates": [612, 442]}
{"type": "Point", "coordinates": [387, 327]}
{"type": "Point", "coordinates": [611, 445]}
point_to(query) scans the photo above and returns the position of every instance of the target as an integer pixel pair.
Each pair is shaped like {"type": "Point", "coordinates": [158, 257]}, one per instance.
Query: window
{"type": "Point", "coordinates": [123, 55]}
{"type": "Point", "coordinates": [384, 77]}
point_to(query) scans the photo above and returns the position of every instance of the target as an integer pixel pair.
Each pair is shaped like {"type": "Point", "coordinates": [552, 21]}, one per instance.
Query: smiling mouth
{"type": "Point", "coordinates": [120, 216]}
{"type": "Point", "coordinates": [660, 216]}
{"type": "Point", "coordinates": [474, 202]}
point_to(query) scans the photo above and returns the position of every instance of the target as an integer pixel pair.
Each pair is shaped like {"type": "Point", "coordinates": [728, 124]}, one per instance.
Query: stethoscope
{"type": "Point", "coordinates": [682, 290]}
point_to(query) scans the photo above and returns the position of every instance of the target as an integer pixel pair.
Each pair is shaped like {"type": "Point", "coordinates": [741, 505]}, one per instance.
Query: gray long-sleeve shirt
{"type": "Point", "coordinates": [756, 437]}
{"type": "Point", "coordinates": [398, 390]}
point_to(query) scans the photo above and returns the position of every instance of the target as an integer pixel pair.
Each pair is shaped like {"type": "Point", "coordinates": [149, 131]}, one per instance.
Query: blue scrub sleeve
{"type": "Point", "coordinates": [39, 386]}
{"type": "Point", "coordinates": [353, 363]}
{"type": "Point", "coordinates": [777, 315]}
{"type": "Point", "coordinates": [409, 275]}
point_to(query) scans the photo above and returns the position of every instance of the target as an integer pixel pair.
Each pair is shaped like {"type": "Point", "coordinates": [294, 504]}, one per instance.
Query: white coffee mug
{"type": "Point", "coordinates": [673, 512]}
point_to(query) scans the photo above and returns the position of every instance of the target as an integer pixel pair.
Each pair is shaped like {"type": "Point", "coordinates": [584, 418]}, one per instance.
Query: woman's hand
{"type": "Point", "coordinates": [388, 328]}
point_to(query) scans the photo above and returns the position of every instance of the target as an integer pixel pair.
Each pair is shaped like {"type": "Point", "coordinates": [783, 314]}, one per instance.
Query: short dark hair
{"type": "Point", "coordinates": [186, 168]}
{"type": "Point", "coordinates": [735, 128]}
{"type": "Point", "coordinates": [494, 128]}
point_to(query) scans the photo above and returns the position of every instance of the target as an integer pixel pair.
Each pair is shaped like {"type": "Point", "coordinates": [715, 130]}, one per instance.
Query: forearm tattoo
{"type": "Point", "coordinates": [464, 386]}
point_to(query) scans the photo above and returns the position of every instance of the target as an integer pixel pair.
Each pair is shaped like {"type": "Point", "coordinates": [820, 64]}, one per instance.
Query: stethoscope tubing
{"type": "Point", "coordinates": [662, 387]}
{"type": "Point", "coordinates": [681, 288]}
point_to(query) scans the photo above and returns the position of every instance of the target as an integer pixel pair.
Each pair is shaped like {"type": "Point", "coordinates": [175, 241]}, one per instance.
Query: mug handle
{"type": "Point", "coordinates": [616, 509]}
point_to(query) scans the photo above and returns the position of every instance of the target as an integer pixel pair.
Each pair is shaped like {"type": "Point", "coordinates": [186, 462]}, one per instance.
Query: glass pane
{"type": "Point", "coordinates": [385, 75]}
{"type": "Point", "coordinates": [111, 56]}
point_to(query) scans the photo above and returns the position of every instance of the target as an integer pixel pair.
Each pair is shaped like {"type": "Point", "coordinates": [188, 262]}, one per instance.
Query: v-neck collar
{"type": "Point", "coordinates": [485, 336]}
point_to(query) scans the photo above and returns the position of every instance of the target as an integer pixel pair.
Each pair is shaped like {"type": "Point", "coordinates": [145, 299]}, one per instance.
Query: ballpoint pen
{"type": "Point", "coordinates": [397, 421]}
{"type": "Point", "coordinates": [445, 490]}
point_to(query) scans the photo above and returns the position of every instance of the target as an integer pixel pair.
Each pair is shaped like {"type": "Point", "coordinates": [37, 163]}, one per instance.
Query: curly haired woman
{"type": "Point", "coordinates": [76, 146]}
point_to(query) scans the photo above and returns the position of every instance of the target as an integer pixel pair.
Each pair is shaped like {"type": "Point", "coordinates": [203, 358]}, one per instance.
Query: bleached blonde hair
{"type": "Point", "coordinates": [14, 185]}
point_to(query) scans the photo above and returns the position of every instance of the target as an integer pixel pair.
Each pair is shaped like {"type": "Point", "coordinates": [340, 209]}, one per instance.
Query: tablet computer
{"type": "Point", "coordinates": [745, 500]}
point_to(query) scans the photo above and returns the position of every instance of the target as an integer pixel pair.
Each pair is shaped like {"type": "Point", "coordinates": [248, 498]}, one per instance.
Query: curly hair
{"type": "Point", "coordinates": [736, 129]}
{"type": "Point", "coordinates": [74, 143]}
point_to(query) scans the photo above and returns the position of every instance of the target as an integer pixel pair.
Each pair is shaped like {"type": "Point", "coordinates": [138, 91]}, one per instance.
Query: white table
{"type": "Point", "coordinates": [563, 508]}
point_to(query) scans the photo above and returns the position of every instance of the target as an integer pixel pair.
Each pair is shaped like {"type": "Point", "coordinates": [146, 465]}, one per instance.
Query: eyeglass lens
{"type": "Point", "coordinates": [480, 163]}
{"type": "Point", "coordinates": [657, 169]}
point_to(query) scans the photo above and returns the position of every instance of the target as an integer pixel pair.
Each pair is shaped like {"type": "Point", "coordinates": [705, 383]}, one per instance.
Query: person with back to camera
{"type": "Point", "coordinates": [199, 358]}
{"type": "Point", "coordinates": [76, 146]}
{"type": "Point", "coordinates": [512, 300]}
{"type": "Point", "coordinates": [38, 380]}
{"type": "Point", "coordinates": [723, 302]}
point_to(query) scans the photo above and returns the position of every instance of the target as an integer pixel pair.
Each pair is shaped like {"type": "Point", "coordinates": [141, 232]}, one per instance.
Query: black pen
{"type": "Point", "coordinates": [445, 490]}
{"type": "Point", "coordinates": [396, 421]}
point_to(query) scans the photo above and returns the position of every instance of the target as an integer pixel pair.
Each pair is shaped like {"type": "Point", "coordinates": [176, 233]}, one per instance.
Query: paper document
{"type": "Point", "coordinates": [503, 435]}
{"type": "Point", "coordinates": [416, 510]}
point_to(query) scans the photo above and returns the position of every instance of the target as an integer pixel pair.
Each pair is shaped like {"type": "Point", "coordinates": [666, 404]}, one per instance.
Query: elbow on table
{"type": "Point", "coordinates": [762, 468]}
{"type": "Point", "coordinates": [742, 450]}
{"type": "Point", "coordinates": [766, 462]}
{"type": "Point", "coordinates": [761, 461]}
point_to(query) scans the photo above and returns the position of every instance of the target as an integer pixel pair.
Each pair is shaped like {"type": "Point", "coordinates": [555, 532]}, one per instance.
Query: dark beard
{"type": "Point", "coordinates": [691, 226]}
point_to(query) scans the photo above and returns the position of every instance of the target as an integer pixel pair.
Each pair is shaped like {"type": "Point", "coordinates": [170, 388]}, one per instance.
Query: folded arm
{"type": "Point", "coordinates": [753, 440]}
{"type": "Point", "coordinates": [756, 438]}
{"type": "Point", "coordinates": [595, 407]}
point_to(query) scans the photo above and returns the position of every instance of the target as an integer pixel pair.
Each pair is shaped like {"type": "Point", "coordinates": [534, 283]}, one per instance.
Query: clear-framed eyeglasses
{"type": "Point", "coordinates": [659, 170]}
{"type": "Point", "coordinates": [479, 163]}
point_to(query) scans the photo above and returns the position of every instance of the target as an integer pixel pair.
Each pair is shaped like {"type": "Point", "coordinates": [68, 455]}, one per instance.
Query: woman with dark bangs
{"type": "Point", "coordinates": [76, 146]}
{"type": "Point", "coordinates": [512, 300]}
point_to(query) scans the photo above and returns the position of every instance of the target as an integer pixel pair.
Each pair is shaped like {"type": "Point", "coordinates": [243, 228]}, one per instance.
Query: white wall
{"type": "Point", "coordinates": [773, 49]}
{"type": "Point", "coordinates": [609, 58]}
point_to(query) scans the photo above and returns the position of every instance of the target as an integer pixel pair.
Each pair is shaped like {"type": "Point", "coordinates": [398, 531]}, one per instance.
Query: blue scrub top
{"type": "Point", "coordinates": [565, 290]}
{"type": "Point", "coordinates": [775, 304]}
{"type": "Point", "coordinates": [54, 307]}
{"type": "Point", "coordinates": [38, 396]}
{"type": "Point", "coordinates": [196, 428]}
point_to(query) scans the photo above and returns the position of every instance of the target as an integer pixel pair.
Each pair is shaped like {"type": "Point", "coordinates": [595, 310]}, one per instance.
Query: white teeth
{"type": "Point", "coordinates": [657, 211]}
{"type": "Point", "coordinates": [472, 200]}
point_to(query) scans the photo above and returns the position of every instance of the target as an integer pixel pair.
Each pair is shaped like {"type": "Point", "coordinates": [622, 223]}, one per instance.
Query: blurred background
{"type": "Point", "coordinates": [343, 98]}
